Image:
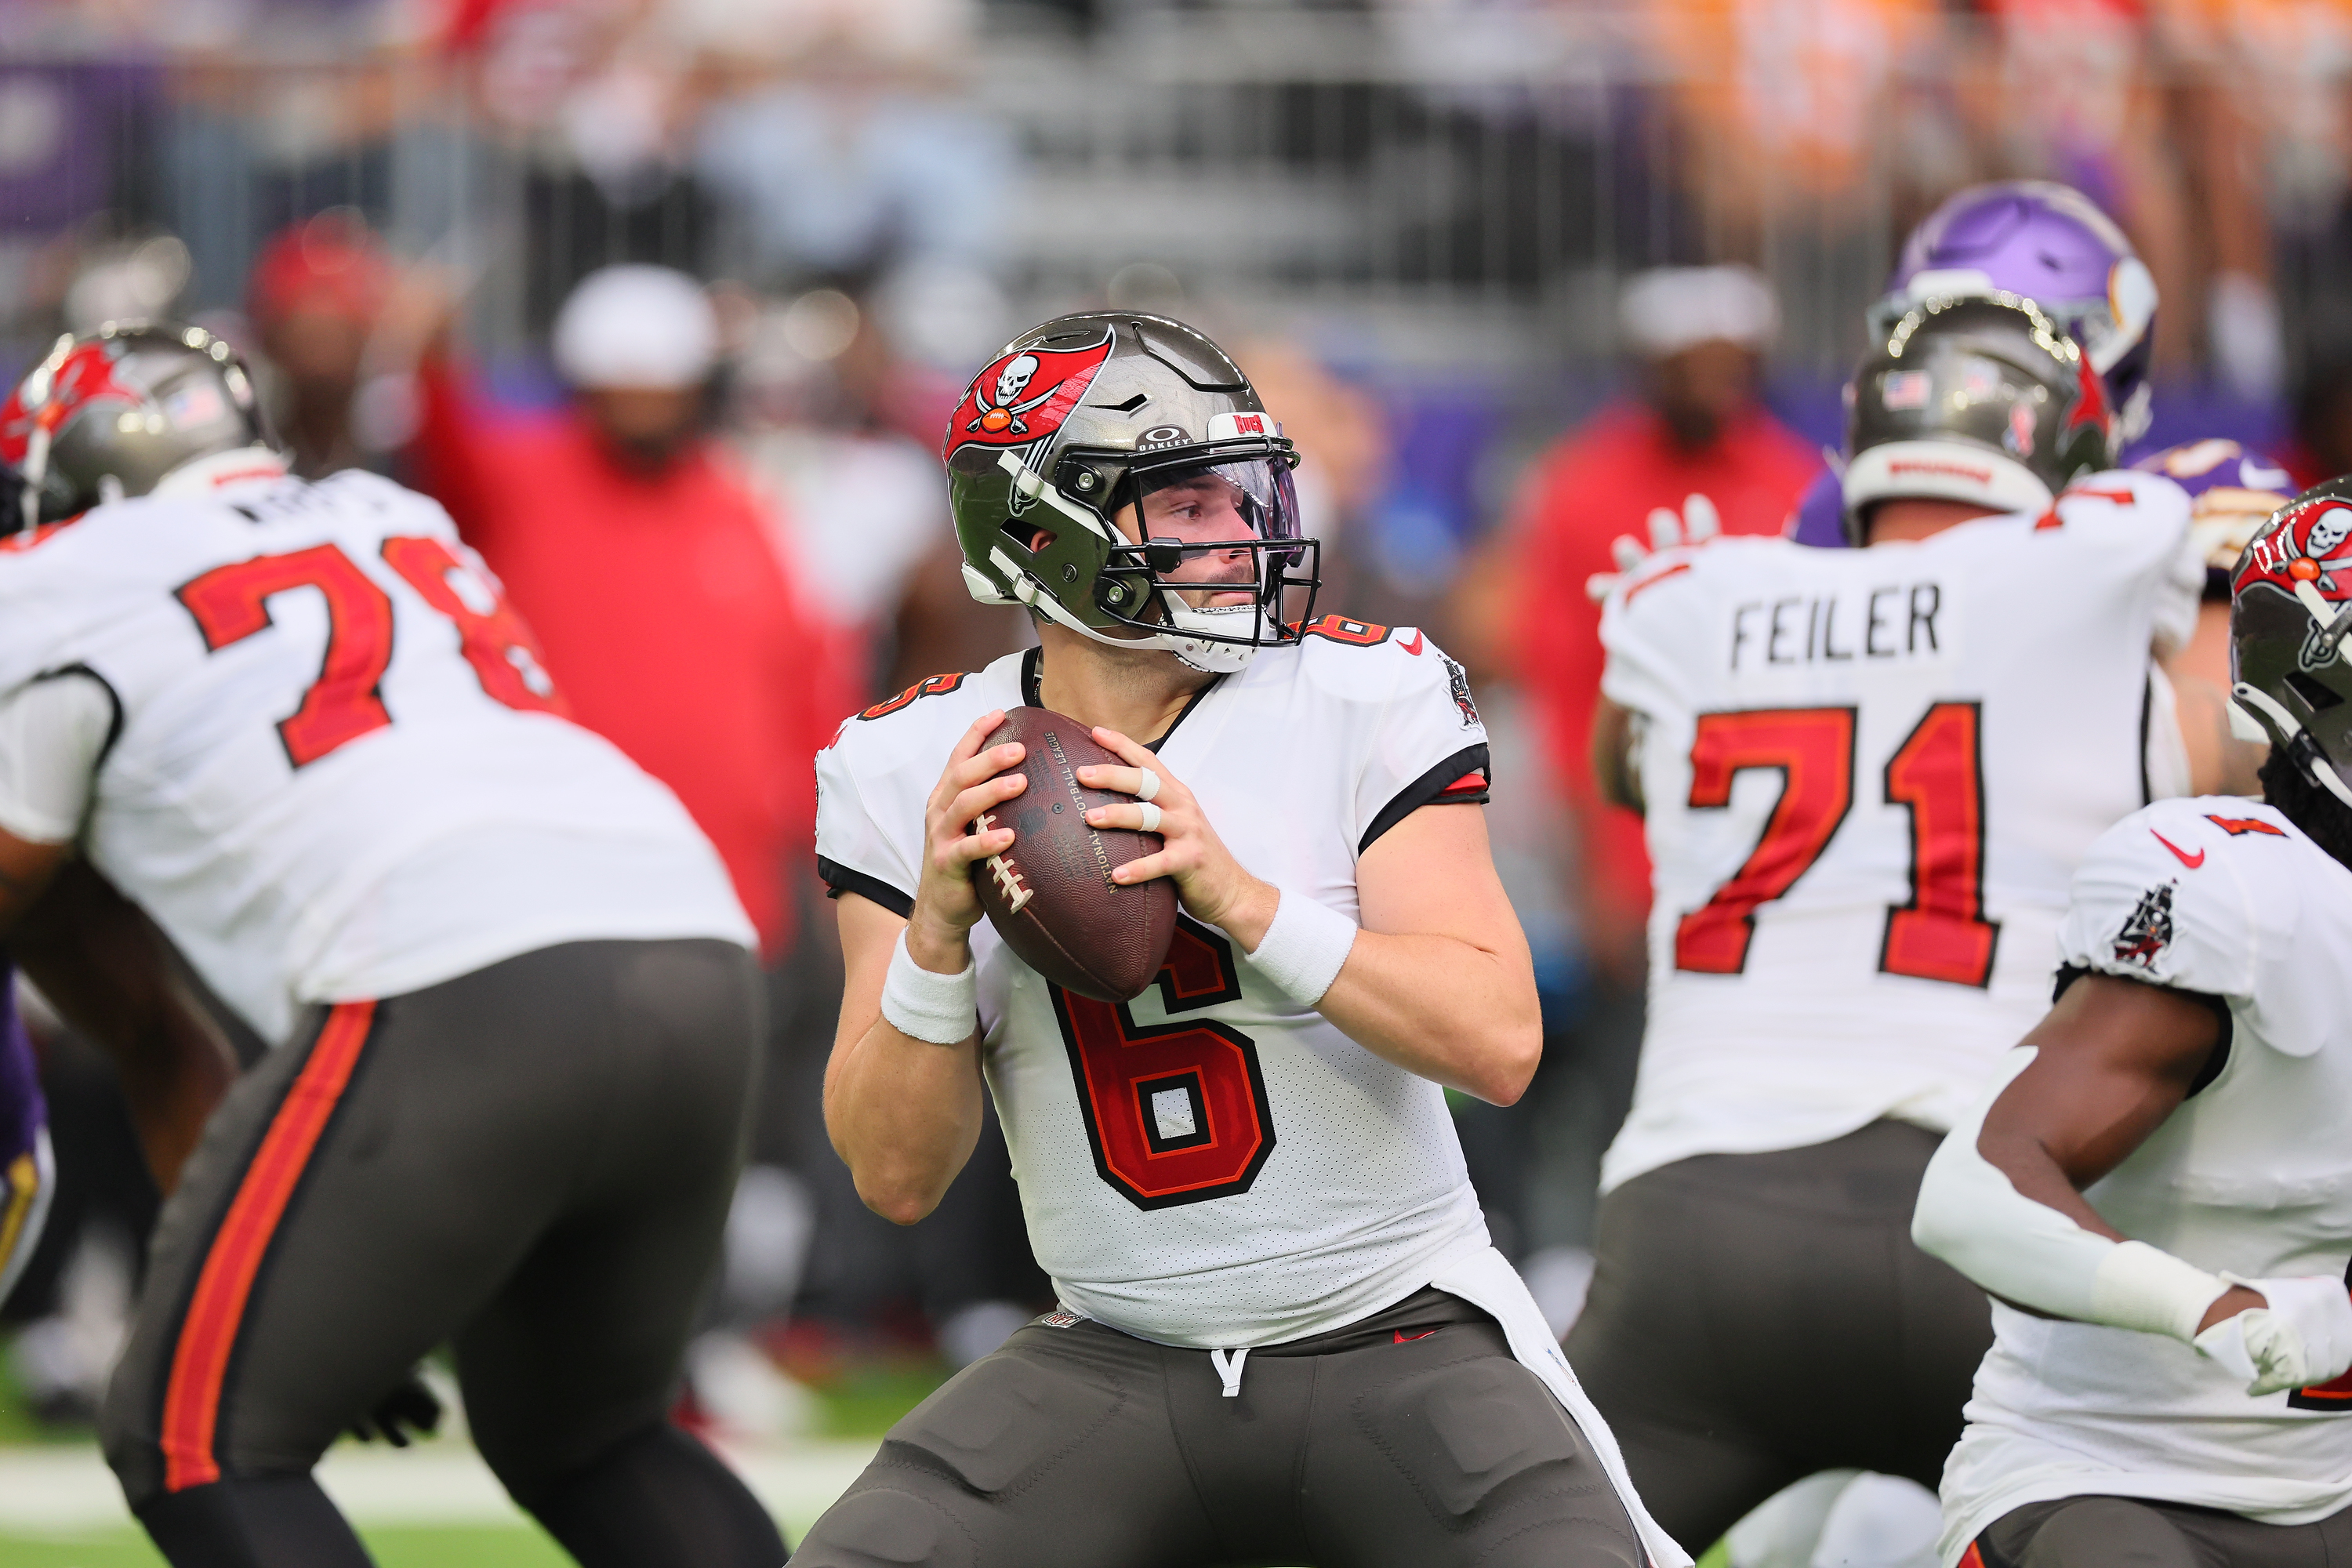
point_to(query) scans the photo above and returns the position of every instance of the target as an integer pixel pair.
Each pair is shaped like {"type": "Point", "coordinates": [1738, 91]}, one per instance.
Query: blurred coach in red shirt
{"type": "Point", "coordinates": [638, 555]}
{"type": "Point", "coordinates": [1693, 426]}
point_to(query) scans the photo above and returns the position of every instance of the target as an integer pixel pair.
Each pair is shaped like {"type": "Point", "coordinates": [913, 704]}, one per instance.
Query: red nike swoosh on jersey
{"type": "Point", "coordinates": [1405, 1339]}
{"type": "Point", "coordinates": [2191, 862]}
{"type": "Point", "coordinates": [1414, 647]}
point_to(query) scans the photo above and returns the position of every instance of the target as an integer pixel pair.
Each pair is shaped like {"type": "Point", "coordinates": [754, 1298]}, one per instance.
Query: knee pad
{"type": "Point", "coordinates": [883, 1528]}
{"type": "Point", "coordinates": [1470, 1428]}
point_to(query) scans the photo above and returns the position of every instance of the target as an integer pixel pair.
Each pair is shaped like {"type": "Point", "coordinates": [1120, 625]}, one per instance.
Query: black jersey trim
{"type": "Point", "coordinates": [114, 699]}
{"type": "Point", "coordinates": [2147, 718]}
{"type": "Point", "coordinates": [1033, 675]}
{"type": "Point", "coordinates": [2219, 1006]}
{"type": "Point", "coordinates": [1437, 787]}
{"type": "Point", "coordinates": [840, 878]}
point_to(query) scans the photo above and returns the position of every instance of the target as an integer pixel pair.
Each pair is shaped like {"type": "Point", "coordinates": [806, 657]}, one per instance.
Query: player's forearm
{"type": "Point", "coordinates": [904, 1115]}
{"type": "Point", "coordinates": [1442, 1008]}
{"type": "Point", "coordinates": [107, 969]}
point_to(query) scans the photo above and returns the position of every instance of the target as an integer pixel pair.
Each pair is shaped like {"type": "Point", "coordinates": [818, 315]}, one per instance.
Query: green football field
{"type": "Point", "coordinates": [411, 1546]}
{"type": "Point", "coordinates": [435, 1505]}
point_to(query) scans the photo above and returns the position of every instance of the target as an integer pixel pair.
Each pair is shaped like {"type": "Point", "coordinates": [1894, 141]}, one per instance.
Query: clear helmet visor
{"type": "Point", "coordinates": [1198, 504]}
{"type": "Point", "coordinates": [1220, 543]}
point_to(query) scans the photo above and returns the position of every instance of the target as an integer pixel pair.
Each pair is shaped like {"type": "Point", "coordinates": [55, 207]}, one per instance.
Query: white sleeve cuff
{"type": "Point", "coordinates": [53, 733]}
{"type": "Point", "coordinates": [1303, 948]}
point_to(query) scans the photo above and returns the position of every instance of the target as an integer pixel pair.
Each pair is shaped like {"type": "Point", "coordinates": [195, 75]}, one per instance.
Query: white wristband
{"type": "Point", "coordinates": [941, 1009]}
{"type": "Point", "coordinates": [1303, 948]}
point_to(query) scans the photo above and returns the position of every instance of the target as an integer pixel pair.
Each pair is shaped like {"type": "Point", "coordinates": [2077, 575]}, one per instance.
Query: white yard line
{"type": "Point", "coordinates": [69, 1490]}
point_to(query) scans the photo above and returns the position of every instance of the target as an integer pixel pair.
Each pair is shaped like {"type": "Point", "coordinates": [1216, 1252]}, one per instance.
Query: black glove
{"type": "Point", "coordinates": [410, 1409]}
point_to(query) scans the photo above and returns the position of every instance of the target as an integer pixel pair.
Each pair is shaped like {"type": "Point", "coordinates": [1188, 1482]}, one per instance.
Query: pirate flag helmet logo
{"type": "Point", "coordinates": [1025, 395]}
{"type": "Point", "coordinates": [2290, 615]}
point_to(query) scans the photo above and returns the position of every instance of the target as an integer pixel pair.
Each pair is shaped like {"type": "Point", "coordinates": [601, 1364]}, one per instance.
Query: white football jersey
{"type": "Point", "coordinates": [1208, 1165]}
{"type": "Point", "coordinates": [336, 772]}
{"type": "Point", "coordinates": [1869, 774]}
{"type": "Point", "coordinates": [2252, 1174]}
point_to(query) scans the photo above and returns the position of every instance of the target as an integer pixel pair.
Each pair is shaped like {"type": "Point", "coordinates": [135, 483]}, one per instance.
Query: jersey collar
{"type": "Point", "coordinates": [1032, 675]}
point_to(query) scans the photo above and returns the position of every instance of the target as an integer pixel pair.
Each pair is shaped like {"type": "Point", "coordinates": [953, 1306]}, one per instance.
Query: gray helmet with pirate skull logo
{"type": "Point", "coordinates": [1978, 398]}
{"type": "Point", "coordinates": [2290, 616]}
{"type": "Point", "coordinates": [110, 412]}
{"type": "Point", "coordinates": [1108, 415]}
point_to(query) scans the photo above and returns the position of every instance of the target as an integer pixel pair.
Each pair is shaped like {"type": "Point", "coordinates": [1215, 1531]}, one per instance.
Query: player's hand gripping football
{"type": "Point", "coordinates": [974, 784]}
{"type": "Point", "coordinates": [1213, 887]}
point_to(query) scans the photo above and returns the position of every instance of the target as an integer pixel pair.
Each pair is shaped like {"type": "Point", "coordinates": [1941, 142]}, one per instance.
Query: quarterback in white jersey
{"type": "Point", "coordinates": [2157, 1188]}
{"type": "Point", "coordinates": [507, 981]}
{"type": "Point", "coordinates": [1863, 802]}
{"type": "Point", "coordinates": [1283, 1335]}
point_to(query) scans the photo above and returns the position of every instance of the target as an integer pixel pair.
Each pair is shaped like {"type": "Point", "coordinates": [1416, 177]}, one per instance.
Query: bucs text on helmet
{"type": "Point", "coordinates": [2290, 616]}
{"type": "Point", "coordinates": [107, 414]}
{"type": "Point", "coordinates": [1976, 398]}
{"type": "Point", "coordinates": [1097, 423]}
{"type": "Point", "coordinates": [2050, 244]}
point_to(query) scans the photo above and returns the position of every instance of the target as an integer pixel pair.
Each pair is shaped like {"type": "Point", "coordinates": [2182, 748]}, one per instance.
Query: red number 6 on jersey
{"type": "Point", "coordinates": [1176, 1112]}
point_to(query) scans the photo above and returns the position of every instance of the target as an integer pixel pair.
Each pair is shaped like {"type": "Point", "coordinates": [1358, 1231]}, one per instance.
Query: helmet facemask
{"type": "Point", "coordinates": [1231, 524]}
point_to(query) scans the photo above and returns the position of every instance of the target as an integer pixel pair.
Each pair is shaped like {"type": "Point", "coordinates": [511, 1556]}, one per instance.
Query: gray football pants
{"type": "Point", "coordinates": [534, 1160]}
{"type": "Point", "coordinates": [1409, 1440]}
{"type": "Point", "coordinates": [2136, 1533]}
{"type": "Point", "coordinates": [1755, 1318]}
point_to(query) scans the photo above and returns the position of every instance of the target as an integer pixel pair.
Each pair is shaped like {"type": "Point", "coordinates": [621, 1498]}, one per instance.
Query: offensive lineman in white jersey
{"type": "Point", "coordinates": [2157, 1188]}
{"type": "Point", "coordinates": [505, 977]}
{"type": "Point", "coordinates": [1282, 1335]}
{"type": "Point", "coordinates": [1863, 805]}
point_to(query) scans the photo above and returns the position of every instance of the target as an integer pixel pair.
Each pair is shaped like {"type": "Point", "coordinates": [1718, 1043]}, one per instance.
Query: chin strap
{"type": "Point", "coordinates": [2300, 747]}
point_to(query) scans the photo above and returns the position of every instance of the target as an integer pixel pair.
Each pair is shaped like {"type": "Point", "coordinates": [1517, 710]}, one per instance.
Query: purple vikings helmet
{"type": "Point", "coordinates": [2050, 243]}
{"type": "Point", "coordinates": [2041, 240]}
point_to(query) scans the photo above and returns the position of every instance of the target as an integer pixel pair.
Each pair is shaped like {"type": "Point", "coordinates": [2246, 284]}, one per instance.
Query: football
{"type": "Point", "coordinates": [1050, 896]}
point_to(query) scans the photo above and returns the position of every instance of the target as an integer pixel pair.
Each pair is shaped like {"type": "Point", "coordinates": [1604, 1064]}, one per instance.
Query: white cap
{"type": "Point", "coordinates": [1669, 308]}
{"type": "Point", "coordinates": [636, 327]}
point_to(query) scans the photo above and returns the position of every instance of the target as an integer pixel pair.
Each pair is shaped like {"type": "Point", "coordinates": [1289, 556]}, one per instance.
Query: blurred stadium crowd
{"type": "Point", "coordinates": [667, 301]}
